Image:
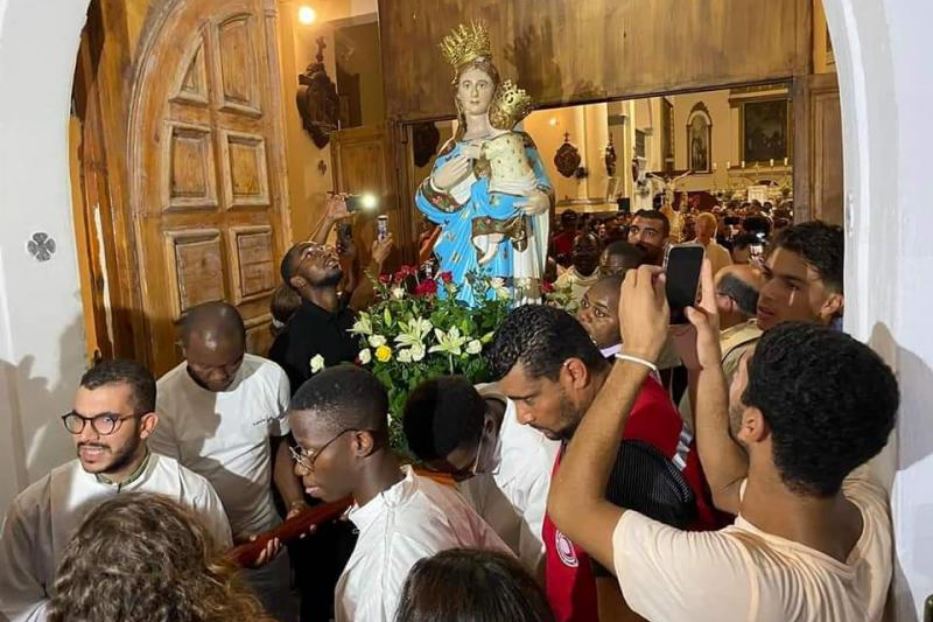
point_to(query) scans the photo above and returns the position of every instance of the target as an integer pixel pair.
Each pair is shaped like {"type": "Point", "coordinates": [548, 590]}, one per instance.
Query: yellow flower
{"type": "Point", "coordinates": [383, 354]}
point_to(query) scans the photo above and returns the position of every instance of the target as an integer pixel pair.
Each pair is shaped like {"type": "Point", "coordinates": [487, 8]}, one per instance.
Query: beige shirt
{"type": "Point", "coordinates": [718, 256]}
{"type": "Point", "coordinates": [744, 574]}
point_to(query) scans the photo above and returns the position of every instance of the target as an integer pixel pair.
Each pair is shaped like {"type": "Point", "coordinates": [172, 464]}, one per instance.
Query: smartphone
{"type": "Point", "coordinates": [683, 279]}
{"type": "Point", "coordinates": [382, 227]}
{"type": "Point", "coordinates": [366, 202]}
{"type": "Point", "coordinates": [345, 234]}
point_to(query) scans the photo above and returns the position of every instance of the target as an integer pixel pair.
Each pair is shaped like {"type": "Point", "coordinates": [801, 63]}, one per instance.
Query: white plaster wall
{"type": "Point", "coordinates": [885, 94]}
{"type": "Point", "coordinates": [41, 341]}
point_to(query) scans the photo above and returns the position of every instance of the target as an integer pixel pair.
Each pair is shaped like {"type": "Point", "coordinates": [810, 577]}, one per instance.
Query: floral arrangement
{"type": "Point", "coordinates": [418, 330]}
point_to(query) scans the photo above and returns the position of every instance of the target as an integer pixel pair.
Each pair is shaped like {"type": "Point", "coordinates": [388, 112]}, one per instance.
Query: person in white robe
{"type": "Point", "coordinates": [502, 468]}
{"type": "Point", "coordinates": [339, 418]}
{"type": "Point", "coordinates": [112, 416]}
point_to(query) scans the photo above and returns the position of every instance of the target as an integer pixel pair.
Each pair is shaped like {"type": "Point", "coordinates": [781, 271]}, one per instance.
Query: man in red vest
{"type": "Point", "coordinates": [552, 370]}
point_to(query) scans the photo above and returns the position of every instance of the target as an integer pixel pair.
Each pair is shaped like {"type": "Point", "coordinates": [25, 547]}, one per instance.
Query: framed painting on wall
{"type": "Point", "coordinates": [699, 139]}
{"type": "Point", "coordinates": [765, 130]}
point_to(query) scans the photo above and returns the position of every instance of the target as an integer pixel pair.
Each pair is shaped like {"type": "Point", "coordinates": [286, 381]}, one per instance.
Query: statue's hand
{"type": "Point", "coordinates": [537, 202]}
{"type": "Point", "coordinates": [450, 173]}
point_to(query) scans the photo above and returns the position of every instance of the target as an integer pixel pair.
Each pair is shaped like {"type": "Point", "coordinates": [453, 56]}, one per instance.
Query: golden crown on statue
{"type": "Point", "coordinates": [466, 43]}
{"type": "Point", "coordinates": [509, 106]}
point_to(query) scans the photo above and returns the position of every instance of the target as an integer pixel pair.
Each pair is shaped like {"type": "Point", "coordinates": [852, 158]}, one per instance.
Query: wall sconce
{"type": "Point", "coordinates": [307, 15]}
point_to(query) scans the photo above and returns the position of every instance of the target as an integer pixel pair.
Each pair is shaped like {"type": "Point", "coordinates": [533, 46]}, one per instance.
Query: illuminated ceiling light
{"type": "Point", "coordinates": [307, 15]}
{"type": "Point", "coordinates": [552, 122]}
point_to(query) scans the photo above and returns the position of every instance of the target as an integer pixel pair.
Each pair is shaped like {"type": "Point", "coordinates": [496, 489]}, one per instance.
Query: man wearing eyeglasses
{"type": "Point", "coordinates": [222, 415]}
{"type": "Point", "coordinates": [112, 418]}
{"type": "Point", "coordinates": [339, 418]}
{"type": "Point", "coordinates": [502, 467]}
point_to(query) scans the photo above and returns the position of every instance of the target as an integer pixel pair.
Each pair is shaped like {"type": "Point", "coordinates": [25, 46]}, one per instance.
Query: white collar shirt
{"type": "Point", "coordinates": [413, 519]}
{"type": "Point", "coordinates": [43, 518]}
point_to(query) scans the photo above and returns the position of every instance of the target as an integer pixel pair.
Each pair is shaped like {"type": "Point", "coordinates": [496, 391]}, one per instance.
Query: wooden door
{"type": "Point", "coordinates": [206, 166]}
{"type": "Point", "coordinates": [363, 161]}
{"type": "Point", "coordinates": [818, 184]}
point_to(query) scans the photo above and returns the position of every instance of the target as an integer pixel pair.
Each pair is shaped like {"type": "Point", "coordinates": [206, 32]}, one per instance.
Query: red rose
{"type": "Point", "coordinates": [546, 287]}
{"type": "Point", "coordinates": [400, 276]}
{"type": "Point", "coordinates": [426, 288]}
{"type": "Point", "coordinates": [385, 279]}
{"type": "Point", "coordinates": [409, 270]}
{"type": "Point", "coordinates": [447, 277]}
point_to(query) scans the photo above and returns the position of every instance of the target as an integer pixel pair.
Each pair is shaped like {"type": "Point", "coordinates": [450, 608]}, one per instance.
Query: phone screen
{"type": "Point", "coordinates": [683, 278]}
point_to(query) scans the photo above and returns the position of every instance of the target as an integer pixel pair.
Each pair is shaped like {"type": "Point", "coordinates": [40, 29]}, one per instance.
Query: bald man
{"type": "Point", "coordinates": [737, 288]}
{"type": "Point", "coordinates": [222, 414]}
{"type": "Point", "coordinates": [706, 227]}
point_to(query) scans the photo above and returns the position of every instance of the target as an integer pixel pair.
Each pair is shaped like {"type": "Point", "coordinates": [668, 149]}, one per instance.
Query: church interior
{"type": "Point", "coordinates": [173, 151]}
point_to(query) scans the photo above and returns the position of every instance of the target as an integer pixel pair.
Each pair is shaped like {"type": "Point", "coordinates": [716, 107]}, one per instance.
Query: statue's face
{"type": "Point", "coordinates": [474, 91]}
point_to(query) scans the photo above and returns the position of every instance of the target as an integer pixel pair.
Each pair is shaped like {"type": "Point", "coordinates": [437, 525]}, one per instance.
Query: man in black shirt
{"type": "Point", "coordinates": [320, 325]}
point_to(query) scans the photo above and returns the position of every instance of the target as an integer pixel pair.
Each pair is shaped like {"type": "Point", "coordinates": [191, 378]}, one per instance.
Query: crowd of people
{"type": "Point", "coordinates": [617, 468]}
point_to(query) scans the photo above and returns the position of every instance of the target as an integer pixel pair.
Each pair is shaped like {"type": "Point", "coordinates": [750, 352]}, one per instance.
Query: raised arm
{"type": "Point", "coordinates": [724, 462]}
{"type": "Point", "coordinates": [335, 210]}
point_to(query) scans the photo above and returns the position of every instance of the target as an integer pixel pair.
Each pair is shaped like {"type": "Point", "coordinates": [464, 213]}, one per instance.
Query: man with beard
{"type": "Point", "coordinates": [319, 328]}
{"type": "Point", "coordinates": [549, 366]}
{"type": "Point", "coordinates": [650, 231]}
{"type": "Point", "coordinates": [585, 269]}
{"type": "Point", "coordinates": [113, 415]}
{"type": "Point", "coordinates": [222, 415]}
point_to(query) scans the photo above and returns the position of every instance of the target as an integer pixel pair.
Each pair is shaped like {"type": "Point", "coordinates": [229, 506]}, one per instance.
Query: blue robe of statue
{"type": "Point", "coordinates": [454, 247]}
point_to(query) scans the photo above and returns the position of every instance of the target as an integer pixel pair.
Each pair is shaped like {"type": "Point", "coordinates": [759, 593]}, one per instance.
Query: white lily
{"type": "Point", "coordinates": [363, 325]}
{"type": "Point", "coordinates": [404, 356]}
{"type": "Point", "coordinates": [366, 357]}
{"type": "Point", "coordinates": [474, 347]}
{"type": "Point", "coordinates": [317, 364]}
{"type": "Point", "coordinates": [417, 352]}
{"type": "Point", "coordinates": [398, 293]}
{"type": "Point", "coordinates": [450, 342]}
{"type": "Point", "coordinates": [413, 332]}
{"type": "Point", "coordinates": [377, 340]}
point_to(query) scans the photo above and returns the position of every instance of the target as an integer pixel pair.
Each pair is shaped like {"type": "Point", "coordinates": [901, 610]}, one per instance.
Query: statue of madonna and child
{"type": "Point", "coordinates": [488, 189]}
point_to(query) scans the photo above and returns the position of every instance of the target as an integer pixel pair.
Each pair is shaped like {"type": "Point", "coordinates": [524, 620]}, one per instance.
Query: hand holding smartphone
{"type": "Point", "coordinates": [684, 264]}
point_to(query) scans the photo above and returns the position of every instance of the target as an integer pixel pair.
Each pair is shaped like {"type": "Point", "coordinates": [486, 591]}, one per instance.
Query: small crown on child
{"type": "Point", "coordinates": [466, 43]}
{"type": "Point", "coordinates": [509, 106]}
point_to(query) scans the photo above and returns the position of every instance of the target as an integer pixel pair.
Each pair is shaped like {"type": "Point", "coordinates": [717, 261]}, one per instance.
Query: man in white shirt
{"type": "Point", "coordinates": [112, 417]}
{"type": "Point", "coordinates": [339, 418]}
{"type": "Point", "coordinates": [812, 540]}
{"type": "Point", "coordinates": [222, 415]}
{"type": "Point", "coordinates": [502, 468]}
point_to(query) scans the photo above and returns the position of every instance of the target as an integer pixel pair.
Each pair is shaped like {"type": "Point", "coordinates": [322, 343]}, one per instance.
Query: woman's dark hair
{"type": "Point", "coordinates": [142, 557]}
{"type": "Point", "coordinates": [464, 585]}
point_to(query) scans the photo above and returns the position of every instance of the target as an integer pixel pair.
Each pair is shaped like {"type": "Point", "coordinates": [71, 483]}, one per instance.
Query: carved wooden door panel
{"type": "Point", "coordinates": [207, 166]}
{"type": "Point", "coordinates": [363, 163]}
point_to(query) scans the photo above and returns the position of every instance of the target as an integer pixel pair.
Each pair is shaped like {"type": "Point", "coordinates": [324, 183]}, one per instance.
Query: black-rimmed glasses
{"type": "Point", "coordinates": [104, 423]}
{"type": "Point", "coordinates": [306, 459]}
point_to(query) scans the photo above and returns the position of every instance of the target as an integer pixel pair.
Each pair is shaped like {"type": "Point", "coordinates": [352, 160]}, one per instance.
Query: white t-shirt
{"type": "Point", "coordinates": [225, 436]}
{"type": "Point", "coordinates": [577, 283]}
{"type": "Point", "coordinates": [413, 519]}
{"type": "Point", "coordinates": [513, 498]}
{"type": "Point", "coordinates": [43, 518]}
{"type": "Point", "coordinates": [744, 574]}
